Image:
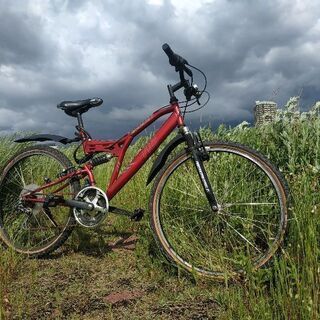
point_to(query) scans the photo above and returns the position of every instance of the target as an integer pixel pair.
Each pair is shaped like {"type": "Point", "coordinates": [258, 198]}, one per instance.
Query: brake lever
{"type": "Point", "coordinates": [177, 61]}
{"type": "Point", "coordinates": [188, 71]}
{"type": "Point", "coordinates": [192, 91]}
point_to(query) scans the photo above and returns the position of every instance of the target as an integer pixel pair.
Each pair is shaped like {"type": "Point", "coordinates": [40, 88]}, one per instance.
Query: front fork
{"type": "Point", "coordinates": [199, 154]}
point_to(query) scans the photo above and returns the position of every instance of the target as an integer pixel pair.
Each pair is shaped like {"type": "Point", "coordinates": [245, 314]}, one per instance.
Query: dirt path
{"type": "Point", "coordinates": [118, 282]}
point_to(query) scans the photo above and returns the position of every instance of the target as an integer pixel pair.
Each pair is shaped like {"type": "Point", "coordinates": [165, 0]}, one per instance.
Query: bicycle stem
{"type": "Point", "coordinates": [198, 161]}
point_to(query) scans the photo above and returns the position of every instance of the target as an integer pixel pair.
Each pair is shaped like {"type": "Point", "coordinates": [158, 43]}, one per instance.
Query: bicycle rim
{"type": "Point", "coordinates": [246, 230]}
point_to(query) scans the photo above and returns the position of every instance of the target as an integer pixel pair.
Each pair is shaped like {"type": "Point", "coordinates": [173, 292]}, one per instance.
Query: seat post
{"type": "Point", "coordinates": [80, 122]}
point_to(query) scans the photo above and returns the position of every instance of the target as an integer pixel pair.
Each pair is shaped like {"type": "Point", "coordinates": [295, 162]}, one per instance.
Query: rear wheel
{"type": "Point", "coordinates": [250, 223]}
{"type": "Point", "coordinates": [26, 226]}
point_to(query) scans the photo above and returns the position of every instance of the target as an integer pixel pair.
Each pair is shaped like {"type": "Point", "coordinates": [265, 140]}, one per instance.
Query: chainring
{"type": "Point", "coordinates": [99, 200]}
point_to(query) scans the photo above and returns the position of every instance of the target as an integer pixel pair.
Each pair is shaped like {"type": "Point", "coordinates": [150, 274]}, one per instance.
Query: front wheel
{"type": "Point", "coordinates": [246, 230]}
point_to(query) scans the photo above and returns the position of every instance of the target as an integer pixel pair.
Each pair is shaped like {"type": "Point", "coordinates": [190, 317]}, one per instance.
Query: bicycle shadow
{"type": "Point", "coordinates": [96, 243]}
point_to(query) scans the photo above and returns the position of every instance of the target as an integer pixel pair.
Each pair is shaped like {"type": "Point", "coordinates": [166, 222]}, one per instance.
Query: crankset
{"type": "Point", "coordinates": [97, 207]}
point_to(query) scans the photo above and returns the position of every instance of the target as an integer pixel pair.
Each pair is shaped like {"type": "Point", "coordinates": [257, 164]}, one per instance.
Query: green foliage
{"type": "Point", "coordinates": [292, 144]}
{"type": "Point", "coordinates": [289, 288]}
{"type": "Point", "coordinates": [8, 148]}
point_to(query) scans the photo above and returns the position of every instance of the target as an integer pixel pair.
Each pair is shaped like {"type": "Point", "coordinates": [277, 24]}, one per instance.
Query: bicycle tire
{"type": "Point", "coordinates": [26, 170]}
{"type": "Point", "coordinates": [224, 258]}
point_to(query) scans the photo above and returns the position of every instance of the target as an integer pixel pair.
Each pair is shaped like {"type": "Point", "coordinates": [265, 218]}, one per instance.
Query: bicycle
{"type": "Point", "coordinates": [216, 208]}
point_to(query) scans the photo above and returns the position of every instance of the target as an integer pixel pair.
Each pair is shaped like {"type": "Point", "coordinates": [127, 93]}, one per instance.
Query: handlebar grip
{"type": "Point", "coordinates": [176, 60]}
{"type": "Point", "coordinates": [166, 48]}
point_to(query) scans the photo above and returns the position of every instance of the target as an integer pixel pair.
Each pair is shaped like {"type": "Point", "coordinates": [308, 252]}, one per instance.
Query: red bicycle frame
{"type": "Point", "coordinates": [118, 149]}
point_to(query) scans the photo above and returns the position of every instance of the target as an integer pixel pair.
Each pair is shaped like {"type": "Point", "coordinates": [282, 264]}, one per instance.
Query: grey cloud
{"type": "Point", "coordinates": [21, 41]}
{"type": "Point", "coordinates": [63, 50]}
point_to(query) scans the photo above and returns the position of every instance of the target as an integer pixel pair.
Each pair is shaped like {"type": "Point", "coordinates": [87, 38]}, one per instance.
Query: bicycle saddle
{"type": "Point", "coordinates": [72, 108]}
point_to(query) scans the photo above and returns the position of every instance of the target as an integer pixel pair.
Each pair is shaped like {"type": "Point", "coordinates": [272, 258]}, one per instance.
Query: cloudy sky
{"type": "Point", "coordinates": [55, 50]}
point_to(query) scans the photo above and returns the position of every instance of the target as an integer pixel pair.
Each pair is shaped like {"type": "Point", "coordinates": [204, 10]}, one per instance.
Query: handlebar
{"type": "Point", "coordinates": [177, 61]}
{"type": "Point", "coordinates": [180, 65]}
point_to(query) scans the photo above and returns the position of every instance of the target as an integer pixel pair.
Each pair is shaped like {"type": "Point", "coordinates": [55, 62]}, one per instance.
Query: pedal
{"type": "Point", "coordinates": [137, 214]}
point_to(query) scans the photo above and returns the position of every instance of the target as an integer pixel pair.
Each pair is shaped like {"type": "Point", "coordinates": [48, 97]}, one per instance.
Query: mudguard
{"type": "Point", "coordinates": [163, 156]}
{"type": "Point", "coordinates": [44, 137]}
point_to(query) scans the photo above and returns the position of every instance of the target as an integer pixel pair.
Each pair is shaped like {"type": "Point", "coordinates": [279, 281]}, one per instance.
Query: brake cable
{"type": "Point", "coordinates": [205, 78]}
{"type": "Point", "coordinates": [197, 99]}
{"type": "Point", "coordinates": [202, 106]}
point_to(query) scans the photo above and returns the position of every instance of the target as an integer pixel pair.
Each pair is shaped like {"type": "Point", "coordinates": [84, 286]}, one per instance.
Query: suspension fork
{"type": "Point", "coordinates": [198, 156]}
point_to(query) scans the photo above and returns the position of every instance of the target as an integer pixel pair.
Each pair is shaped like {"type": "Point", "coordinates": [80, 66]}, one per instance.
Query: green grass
{"type": "Point", "coordinates": [75, 281]}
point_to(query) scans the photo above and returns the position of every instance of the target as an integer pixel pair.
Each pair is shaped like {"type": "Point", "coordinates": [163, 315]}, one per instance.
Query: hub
{"type": "Point", "coordinates": [30, 206]}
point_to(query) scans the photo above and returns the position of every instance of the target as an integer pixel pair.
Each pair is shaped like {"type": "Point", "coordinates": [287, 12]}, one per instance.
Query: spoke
{"type": "Point", "coordinates": [263, 230]}
{"type": "Point", "coordinates": [14, 182]}
{"type": "Point", "coordinates": [232, 188]}
{"type": "Point", "coordinates": [262, 188]}
{"type": "Point", "coordinates": [20, 174]}
{"type": "Point", "coordinates": [242, 213]}
{"type": "Point", "coordinates": [50, 217]}
{"type": "Point", "coordinates": [34, 215]}
{"type": "Point", "coordinates": [241, 235]}
{"type": "Point", "coordinates": [21, 228]}
{"type": "Point", "coordinates": [228, 205]}
{"type": "Point", "coordinates": [188, 215]}
{"type": "Point", "coordinates": [201, 227]}
{"type": "Point", "coordinates": [42, 241]}
{"type": "Point", "coordinates": [184, 192]}
{"type": "Point", "coordinates": [188, 208]}
{"type": "Point", "coordinates": [17, 193]}
{"type": "Point", "coordinates": [172, 198]}
{"type": "Point", "coordinates": [237, 215]}
{"type": "Point", "coordinates": [195, 183]}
